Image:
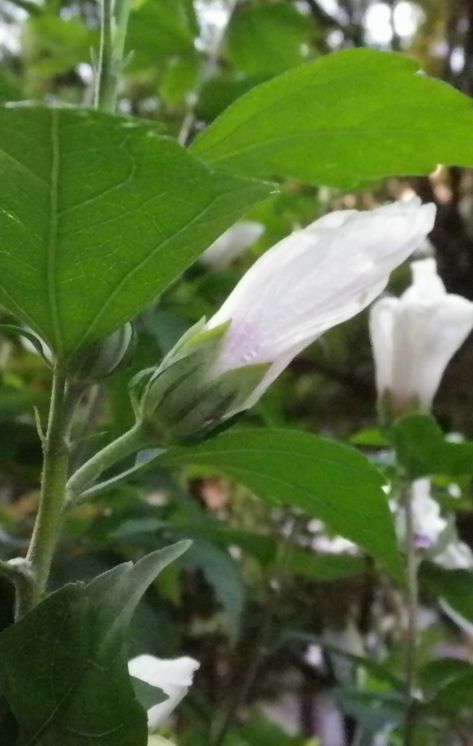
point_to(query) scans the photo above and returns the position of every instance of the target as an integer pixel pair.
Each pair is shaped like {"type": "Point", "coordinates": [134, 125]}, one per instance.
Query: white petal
{"type": "Point", "coordinates": [426, 283]}
{"type": "Point", "coordinates": [427, 519]}
{"type": "Point", "coordinates": [381, 324]}
{"type": "Point", "coordinates": [173, 677]}
{"type": "Point", "coordinates": [232, 243]}
{"type": "Point", "coordinates": [314, 279]}
{"type": "Point", "coordinates": [427, 335]}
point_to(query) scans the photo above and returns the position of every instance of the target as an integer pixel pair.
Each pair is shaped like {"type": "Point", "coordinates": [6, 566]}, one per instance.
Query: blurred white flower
{"type": "Point", "coordinates": [231, 244]}
{"type": "Point", "coordinates": [427, 519]}
{"type": "Point", "coordinates": [333, 545]}
{"type": "Point", "coordinates": [415, 336]}
{"type": "Point", "coordinates": [433, 533]}
{"type": "Point", "coordinates": [313, 280]}
{"type": "Point", "coordinates": [456, 556]}
{"type": "Point", "coordinates": [173, 677]}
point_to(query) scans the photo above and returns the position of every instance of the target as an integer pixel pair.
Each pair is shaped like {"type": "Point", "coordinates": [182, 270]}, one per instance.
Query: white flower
{"type": "Point", "coordinates": [173, 677]}
{"type": "Point", "coordinates": [414, 337]}
{"type": "Point", "coordinates": [312, 280]}
{"type": "Point", "coordinates": [456, 556]}
{"type": "Point", "coordinates": [427, 519]}
{"type": "Point", "coordinates": [232, 243]}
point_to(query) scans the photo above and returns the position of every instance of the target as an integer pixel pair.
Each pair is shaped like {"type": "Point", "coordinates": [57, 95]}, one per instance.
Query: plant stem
{"type": "Point", "coordinates": [206, 72]}
{"type": "Point", "coordinates": [130, 442]}
{"type": "Point", "coordinates": [113, 27]}
{"type": "Point", "coordinates": [412, 607]}
{"type": "Point", "coordinates": [53, 490]}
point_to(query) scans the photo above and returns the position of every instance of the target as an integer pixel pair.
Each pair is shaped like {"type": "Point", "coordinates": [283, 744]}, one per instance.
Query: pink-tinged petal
{"type": "Point", "coordinates": [314, 279]}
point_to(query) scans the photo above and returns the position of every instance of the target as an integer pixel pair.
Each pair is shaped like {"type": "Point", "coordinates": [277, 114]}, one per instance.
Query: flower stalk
{"type": "Point", "coordinates": [412, 598]}
{"type": "Point", "coordinates": [130, 442]}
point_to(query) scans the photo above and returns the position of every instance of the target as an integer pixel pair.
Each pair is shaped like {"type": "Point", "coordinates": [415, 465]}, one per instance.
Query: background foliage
{"type": "Point", "coordinates": [265, 599]}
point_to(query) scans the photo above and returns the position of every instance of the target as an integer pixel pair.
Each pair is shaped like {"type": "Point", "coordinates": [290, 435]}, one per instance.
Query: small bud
{"type": "Point", "coordinates": [102, 358]}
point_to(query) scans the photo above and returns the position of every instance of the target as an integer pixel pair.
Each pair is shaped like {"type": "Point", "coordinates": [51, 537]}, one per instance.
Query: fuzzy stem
{"type": "Point", "coordinates": [53, 489]}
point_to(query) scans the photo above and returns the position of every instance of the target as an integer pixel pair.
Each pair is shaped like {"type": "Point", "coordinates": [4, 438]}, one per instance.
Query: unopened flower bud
{"type": "Point", "coordinates": [180, 399]}
{"type": "Point", "coordinates": [414, 338]}
{"type": "Point", "coordinates": [102, 358]}
{"type": "Point", "coordinates": [310, 281]}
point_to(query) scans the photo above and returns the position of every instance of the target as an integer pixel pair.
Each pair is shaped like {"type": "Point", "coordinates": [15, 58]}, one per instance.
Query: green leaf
{"type": "Point", "coordinates": [347, 118]}
{"type": "Point", "coordinates": [325, 479]}
{"type": "Point", "coordinates": [224, 576]}
{"type": "Point", "coordinates": [147, 695]}
{"type": "Point", "coordinates": [422, 449]}
{"type": "Point", "coordinates": [437, 674]}
{"type": "Point", "coordinates": [98, 214]}
{"type": "Point", "coordinates": [324, 567]}
{"type": "Point", "coordinates": [267, 38]}
{"type": "Point", "coordinates": [453, 586]}
{"type": "Point", "coordinates": [63, 668]}
{"type": "Point", "coordinates": [54, 45]}
{"type": "Point", "coordinates": [159, 29]}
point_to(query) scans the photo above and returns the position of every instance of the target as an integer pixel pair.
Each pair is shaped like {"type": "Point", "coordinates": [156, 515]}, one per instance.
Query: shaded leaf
{"type": "Point", "coordinates": [422, 448]}
{"type": "Point", "coordinates": [267, 38]}
{"type": "Point", "coordinates": [64, 671]}
{"type": "Point", "coordinates": [349, 117]}
{"type": "Point", "coordinates": [325, 479]}
{"type": "Point", "coordinates": [98, 214]}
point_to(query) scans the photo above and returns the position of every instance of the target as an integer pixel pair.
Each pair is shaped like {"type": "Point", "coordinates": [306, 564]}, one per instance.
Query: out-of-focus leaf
{"type": "Point", "coordinates": [224, 577]}
{"type": "Point", "coordinates": [76, 642]}
{"type": "Point", "coordinates": [104, 214]}
{"type": "Point", "coordinates": [454, 586]}
{"type": "Point", "coordinates": [439, 673]}
{"type": "Point", "coordinates": [219, 92]}
{"type": "Point", "coordinates": [259, 731]}
{"type": "Point", "coordinates": [323, 567]}
{"type": "Point", "coordinates": [265, 39]}
{"type": "Point", "coordinates": [10, 89]}
{"type": "Point", "coordinates": [326, 479]}
{"type": "Point", "coordinates": [54, 45]}
{"type": "Point", "coordinates": [179, 78]}
{"type": "Point", "coordinates": [373, 709]}
{"type": "Point", "coordinates": [159, 29]}
{"type": "Point", "coordinates": [422, 448]}
{"type": "Point", "coordinates": [456, 698]}
{"type": "Point", "coordinates": [349, 117]}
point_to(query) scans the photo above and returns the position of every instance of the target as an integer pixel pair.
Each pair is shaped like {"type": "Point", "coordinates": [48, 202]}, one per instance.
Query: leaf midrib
{"type": "Point", "coordinates": [51, 256]}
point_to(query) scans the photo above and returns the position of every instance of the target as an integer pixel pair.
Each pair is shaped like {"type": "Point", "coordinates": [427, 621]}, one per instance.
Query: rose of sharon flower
{"type": "Point", "coordinates": [313, 280]}
{"type": "Point", "coordinates": [173, 677]}
{"type": "Point", "coordinates": [309, 282]}
{"type": "Point", "coordinates": [415, 336]}
{"type": "Point", "coordinates": [433, 533]}
{"type": "Point", "coordinates": [232, 243]}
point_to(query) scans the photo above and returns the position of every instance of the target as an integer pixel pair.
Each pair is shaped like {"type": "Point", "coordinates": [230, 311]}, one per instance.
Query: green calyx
{"type": "Point", "coordinates": [180, 400]}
